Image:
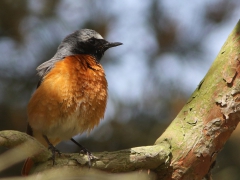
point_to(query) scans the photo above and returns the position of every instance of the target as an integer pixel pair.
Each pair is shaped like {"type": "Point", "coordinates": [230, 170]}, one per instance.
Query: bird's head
{"type": "Point", "coordinates": [85, 41]}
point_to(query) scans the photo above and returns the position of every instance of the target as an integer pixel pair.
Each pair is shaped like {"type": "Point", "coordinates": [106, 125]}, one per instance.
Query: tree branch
{"type": "Point", "coordinates": [147, 157]}
{"type": "Point", "coordinates": [211, 114]}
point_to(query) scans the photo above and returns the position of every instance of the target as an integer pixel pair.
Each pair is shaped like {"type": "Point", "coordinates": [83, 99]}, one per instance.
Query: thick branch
{"type": "Point", "coordinates": [211, 114]}
{"type": "Point", "coordinates": [147, 157]}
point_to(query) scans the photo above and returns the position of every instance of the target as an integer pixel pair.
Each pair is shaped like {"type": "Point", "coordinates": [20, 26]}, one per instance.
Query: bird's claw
{"type": "Point", "coordinates": [54, 151]}
{"type": "Point", "coordinates": [89, 155]}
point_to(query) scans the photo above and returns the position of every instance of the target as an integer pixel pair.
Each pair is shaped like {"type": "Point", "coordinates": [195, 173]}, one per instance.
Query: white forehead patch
{"type": "Point", "coordinates": [86, 34]}
{"type": "Point", "coordinates": [98, 36]}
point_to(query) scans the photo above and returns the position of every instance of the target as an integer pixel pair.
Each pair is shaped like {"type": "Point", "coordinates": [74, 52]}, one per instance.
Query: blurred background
{"type": "Point", "coordinates": [168, 48]}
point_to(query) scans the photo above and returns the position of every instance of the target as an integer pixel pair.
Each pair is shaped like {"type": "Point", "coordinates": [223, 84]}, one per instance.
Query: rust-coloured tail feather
{"type": "Point", "coordinates": [28, 162]}
{"type": "Point", "coordinates": [27, 166]}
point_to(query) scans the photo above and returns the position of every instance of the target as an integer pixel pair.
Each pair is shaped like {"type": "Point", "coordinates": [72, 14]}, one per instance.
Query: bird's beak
{"type": "Point", "coordinates": [113, 44]}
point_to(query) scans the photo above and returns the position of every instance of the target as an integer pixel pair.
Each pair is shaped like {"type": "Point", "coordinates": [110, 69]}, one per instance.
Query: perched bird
{"type": "Point", "coordinates": [71, 95]}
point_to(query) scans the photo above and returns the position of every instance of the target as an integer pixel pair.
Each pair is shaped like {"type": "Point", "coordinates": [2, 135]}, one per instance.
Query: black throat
{"type": "Point", "coordinates": [94, 47]}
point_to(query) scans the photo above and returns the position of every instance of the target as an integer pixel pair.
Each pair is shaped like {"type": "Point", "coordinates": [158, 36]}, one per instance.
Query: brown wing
{"type": "Point", "coordinates": [42, 70]}
{"type": "Point", "coordinates": [29, 130]}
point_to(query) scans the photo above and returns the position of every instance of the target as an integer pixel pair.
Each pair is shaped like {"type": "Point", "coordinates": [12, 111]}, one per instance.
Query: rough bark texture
{"type": "Point", "coordinates": [211, 114]}
{"type": "Point", "coordinates": [138, 158]}
{"type": "Point", "coordinates": [188, 148]}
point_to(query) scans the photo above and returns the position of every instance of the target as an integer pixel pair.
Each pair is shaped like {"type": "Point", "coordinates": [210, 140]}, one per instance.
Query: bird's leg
{"type": "Point", "coordinates": [52, 148]}
{"type": "Point", "coordinates": [86, 151]}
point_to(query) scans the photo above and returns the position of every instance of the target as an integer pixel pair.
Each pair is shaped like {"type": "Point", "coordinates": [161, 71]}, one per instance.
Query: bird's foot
{"type": "Point", "coordinates": [52, 148]}
{"type": "Point", "coordinates": [85, 151]}
{"type": "Point", "coordinates": [54, 151]}
{"type": "Point", "coordinates": [89, 154]}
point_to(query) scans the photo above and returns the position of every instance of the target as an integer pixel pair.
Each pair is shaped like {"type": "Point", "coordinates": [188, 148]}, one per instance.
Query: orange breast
{"type": "Point", "coordinates": [70, 100]}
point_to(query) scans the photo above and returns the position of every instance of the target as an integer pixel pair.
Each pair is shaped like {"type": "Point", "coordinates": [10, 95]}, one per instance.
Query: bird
{"type": "Point", "coordinates": [71, 94]}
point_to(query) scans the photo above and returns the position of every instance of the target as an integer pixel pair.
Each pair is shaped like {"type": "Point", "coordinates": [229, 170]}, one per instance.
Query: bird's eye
{"type": "Point", "coordinates": [91, 40]}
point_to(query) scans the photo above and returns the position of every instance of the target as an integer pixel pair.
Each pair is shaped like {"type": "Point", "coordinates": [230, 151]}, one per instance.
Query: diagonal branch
{"type": "Point", "coordinates": [211, 114]}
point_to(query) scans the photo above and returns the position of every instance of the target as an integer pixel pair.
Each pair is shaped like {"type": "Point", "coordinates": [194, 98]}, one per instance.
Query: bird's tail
{"type": "Point", "coordinates": [27, 166]}
{"type": "Point", "coordinates": [28, 162]}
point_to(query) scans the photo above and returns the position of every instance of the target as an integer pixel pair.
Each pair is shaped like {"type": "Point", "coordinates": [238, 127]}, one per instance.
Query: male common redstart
{"type": "Point", "coordinates": [71, 95]}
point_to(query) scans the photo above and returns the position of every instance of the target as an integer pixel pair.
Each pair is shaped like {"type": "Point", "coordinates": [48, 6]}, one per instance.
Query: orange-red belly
{"type": "Point", "coordinates": [70, 100]}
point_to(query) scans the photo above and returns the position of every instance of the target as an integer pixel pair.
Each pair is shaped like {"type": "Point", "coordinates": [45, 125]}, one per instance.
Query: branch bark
{"type": "Point", "coordinates": [189, 146]}
{"type": "Point", "coordinates": [211, 114]}
{"type": "Point", "coordinates": [147, 157]}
